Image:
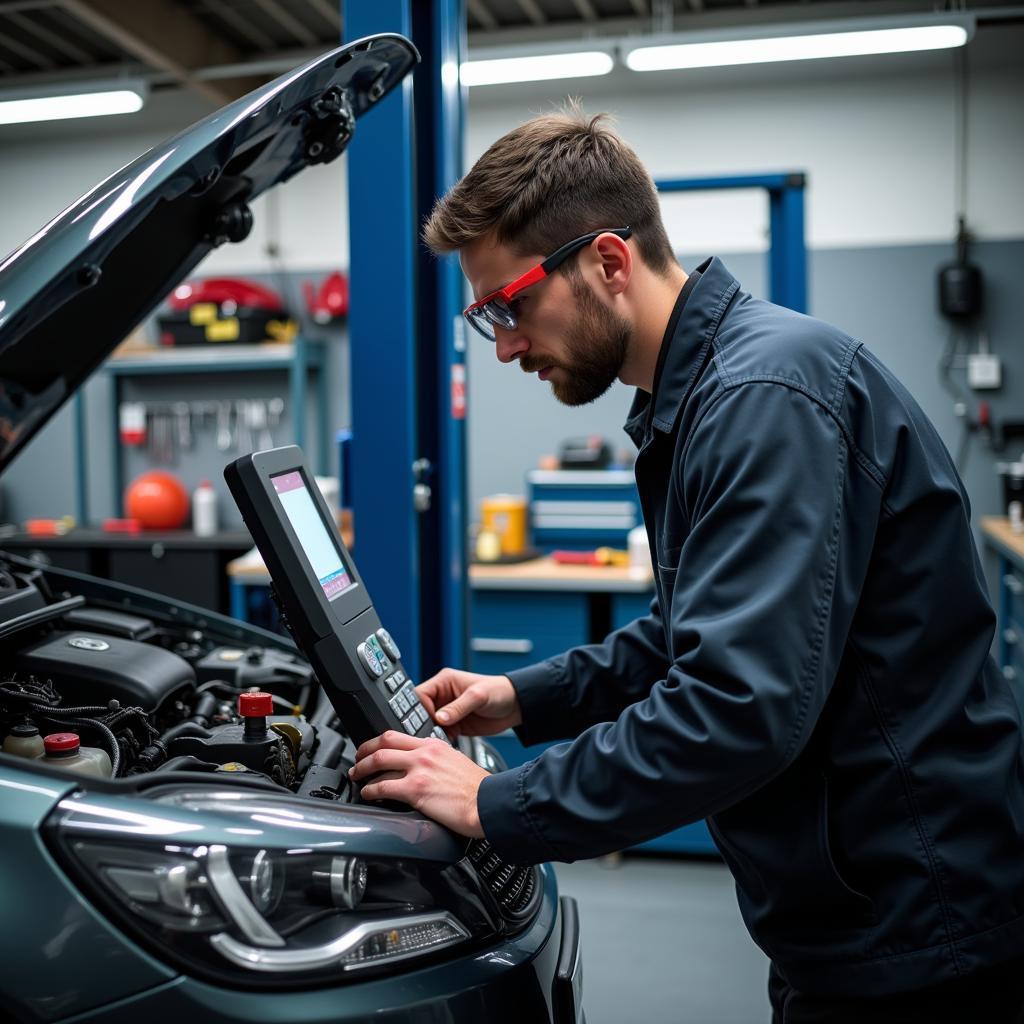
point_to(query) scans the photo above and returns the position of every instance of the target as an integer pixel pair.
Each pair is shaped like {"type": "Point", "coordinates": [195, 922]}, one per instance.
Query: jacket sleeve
{"type": "Point", "coordinates": [563, 696]}
{"type": "Point", "coordinates": [758, 625]}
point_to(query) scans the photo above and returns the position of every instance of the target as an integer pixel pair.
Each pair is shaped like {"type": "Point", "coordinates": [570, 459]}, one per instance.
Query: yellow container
{"type": "Point", "coordinates": [505, 515]}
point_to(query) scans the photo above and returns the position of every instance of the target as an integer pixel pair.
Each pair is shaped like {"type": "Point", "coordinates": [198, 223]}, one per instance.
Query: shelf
{"type": "Point", "coordinates": [216, 358]}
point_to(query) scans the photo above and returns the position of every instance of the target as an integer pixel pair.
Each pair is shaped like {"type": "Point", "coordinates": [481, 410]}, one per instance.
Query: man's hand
{"type": "Point", "coordinates": [426, 774]}
{"type": "Point", "coordinates": [469, 704]}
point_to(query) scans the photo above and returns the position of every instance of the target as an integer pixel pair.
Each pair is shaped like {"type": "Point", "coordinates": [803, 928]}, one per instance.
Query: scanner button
{"type": "Point", "coordinates": [369, 660]}
{"type": "Point", "coordinates": [412, 697]}
{"type": "Point", "coordinates": [419, 716]}
{"type": "Point", "coordinates": [438, 733]}
{"type": "Point", "coordinates": [392, 682]}
{"type": "Point", "coordinates": [388, 642]}
{"type": "Point", "coordinates": [410, 726]}
{"type": "Point", "coordinates": [400, 677]}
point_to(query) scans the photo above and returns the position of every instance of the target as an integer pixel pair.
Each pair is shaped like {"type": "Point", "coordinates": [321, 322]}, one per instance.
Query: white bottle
{"type": "Point", "coordinates": [204, 510]}
{"type": "Point", "coordinates": [64, 750]}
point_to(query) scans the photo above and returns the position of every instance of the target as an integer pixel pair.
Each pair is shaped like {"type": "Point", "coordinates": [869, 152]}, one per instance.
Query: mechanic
{"type": "Point", "coordinates": [814, 675]}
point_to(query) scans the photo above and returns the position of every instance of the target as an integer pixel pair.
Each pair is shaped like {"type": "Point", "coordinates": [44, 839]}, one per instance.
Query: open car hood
{"type": "Point", "coordinates": [77, 287]}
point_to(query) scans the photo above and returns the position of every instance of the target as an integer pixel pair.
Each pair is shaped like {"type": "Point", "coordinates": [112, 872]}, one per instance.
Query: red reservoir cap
{"type": "Point", "coordinates": [61, 742]}
{"type": "Point", "coordinates": [251, 705]}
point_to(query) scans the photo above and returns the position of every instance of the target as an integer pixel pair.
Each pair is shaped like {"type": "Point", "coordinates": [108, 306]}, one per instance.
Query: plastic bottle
{"type": "Point", "coordinates": [204, 510]}
{"type": "Point", "coordinates": [64, 750]}
{"type": "Point", "coordinates": [24, 741]}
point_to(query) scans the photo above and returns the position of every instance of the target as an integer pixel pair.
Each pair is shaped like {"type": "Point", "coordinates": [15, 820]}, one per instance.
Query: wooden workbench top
{"type": "Point", "coordinates": [997, 529]}
{"type": "Point", "coordinates": [538, 574]}
{"type": "Point", "coordinates": [546, 574]}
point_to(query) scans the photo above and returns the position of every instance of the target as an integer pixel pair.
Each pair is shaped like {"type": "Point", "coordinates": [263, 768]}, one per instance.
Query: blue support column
{"type": "Point", "coordinates": [440, 34]}
{"type": "Point", "coordinates": [787, 266]}
{"type": "Point", "coordinates": [787, 253]}
{"type": "Point", "coordinates": [383, 341]}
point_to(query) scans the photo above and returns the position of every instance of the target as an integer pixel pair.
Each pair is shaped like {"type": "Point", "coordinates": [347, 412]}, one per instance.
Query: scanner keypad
{"type": "Point", "coordinates": [398, 688]}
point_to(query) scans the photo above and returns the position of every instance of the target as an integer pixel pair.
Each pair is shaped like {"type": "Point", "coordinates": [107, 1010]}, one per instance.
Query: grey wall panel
{"type": "Point", "coordinates": [885, 296]}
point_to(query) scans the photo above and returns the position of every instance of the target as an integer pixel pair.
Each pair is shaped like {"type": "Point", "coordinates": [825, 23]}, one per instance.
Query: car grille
{"type": "Point", "coordinates": [512, 886]}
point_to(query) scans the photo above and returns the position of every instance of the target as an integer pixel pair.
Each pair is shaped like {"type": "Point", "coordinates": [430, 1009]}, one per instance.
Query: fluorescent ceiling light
{"type": "Point", "coordinates": [796, 47]}
{"type": "Point", "coordinates": [21, 108]}
{"type": "Point", "coordinates": [585, 64]}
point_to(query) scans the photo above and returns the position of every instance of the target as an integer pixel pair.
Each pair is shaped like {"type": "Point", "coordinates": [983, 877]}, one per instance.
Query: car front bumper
{"type": "Point", "coordinates": [534, 976]}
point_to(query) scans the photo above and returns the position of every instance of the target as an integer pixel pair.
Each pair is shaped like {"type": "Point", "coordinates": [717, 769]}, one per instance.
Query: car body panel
{"type": "Point", "coordinates": [508, 983]}
{"type": "Point", "coordinates": [68, 958]}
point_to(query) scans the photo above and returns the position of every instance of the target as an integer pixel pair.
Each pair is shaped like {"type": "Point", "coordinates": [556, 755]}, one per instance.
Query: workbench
{"type": "Point", "coordinates": [524, 613]}
{"type": "Point", "coordinates": [1009, 550]}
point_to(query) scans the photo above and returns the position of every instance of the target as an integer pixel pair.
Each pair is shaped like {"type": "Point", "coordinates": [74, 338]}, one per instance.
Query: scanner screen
{"type": "Point", "coordinates": [319, 547]}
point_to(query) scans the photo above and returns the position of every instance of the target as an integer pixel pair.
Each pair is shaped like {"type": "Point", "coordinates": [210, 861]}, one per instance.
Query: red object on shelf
{"type": "Point", "coordinates": [330, 300]}
{"type": "Point", "coordinates": [157, 500]}
{"type": "Point", "coordinates": [253, 705]}
{"type": "Point", "coordinates": [57, 742]}
{"type": "Point", "coordinates": [122, 526]}
{"type": "Point", "coordinates": [575, 558]}
{"type": "Point", "coordinates": [225, 289]}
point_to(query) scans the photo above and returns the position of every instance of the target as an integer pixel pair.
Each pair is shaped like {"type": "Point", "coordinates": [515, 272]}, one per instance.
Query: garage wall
{"type": "Point", "coordinates": [875, 136]}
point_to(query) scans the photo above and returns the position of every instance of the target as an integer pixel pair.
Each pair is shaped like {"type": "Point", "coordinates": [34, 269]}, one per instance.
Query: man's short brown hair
{"type": "Point", "coordinates": [548, 181]}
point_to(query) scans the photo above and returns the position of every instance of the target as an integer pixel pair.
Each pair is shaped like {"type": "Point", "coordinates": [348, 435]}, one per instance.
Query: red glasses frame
{"type": "Point", "coordinates": [494, 310]}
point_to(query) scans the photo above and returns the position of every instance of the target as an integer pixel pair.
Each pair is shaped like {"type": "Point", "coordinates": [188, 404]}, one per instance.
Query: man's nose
{"type": "Point", "coordinates": [509, 345]}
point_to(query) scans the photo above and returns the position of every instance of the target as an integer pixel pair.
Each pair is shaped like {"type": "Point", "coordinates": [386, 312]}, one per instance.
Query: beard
{"type": "Point", "coordinates": [595, 345]}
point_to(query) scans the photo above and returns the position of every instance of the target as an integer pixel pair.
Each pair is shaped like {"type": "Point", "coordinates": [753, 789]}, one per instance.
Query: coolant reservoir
{"type": "Point", "coordinates": [64, 750]}
{"type": "Point", "coordinates": [24, 741]}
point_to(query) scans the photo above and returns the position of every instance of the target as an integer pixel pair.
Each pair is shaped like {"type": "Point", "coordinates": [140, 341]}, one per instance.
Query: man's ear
{"type": "Point", "coordinates": [612, 261]}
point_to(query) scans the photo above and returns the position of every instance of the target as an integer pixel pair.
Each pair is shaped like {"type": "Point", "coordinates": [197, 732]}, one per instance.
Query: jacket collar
{"type": "Point", "coordinates": [684, 349]}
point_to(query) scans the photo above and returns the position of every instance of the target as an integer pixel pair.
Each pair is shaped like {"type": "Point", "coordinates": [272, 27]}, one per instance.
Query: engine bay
{"type": "Point", "coordinates": [157, 686]}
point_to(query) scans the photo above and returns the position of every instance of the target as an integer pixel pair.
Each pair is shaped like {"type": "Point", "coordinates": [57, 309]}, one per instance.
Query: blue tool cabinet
{"type": "Point", "coordinates": [517, 622]}
{"type": "Point", "coordinates": [1008, 548]}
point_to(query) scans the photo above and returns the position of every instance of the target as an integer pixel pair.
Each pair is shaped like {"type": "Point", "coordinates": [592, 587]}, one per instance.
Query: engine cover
{"type": "Point", "coordinates": [92, 668]}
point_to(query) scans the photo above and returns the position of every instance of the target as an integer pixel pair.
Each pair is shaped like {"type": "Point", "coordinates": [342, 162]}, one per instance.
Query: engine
{"type": "Point", "coordinates": [158, 690]}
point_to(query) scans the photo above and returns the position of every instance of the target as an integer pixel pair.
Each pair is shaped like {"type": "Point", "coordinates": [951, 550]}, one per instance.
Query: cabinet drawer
{"type": "Point", "coordinates": [513, 629]}
{"type": "Point", "coordinates": [1013, 592]}
{"type": "Point", "coordinates": [195, 577]}
{"type": "Point", "coordinates": [628, 607]}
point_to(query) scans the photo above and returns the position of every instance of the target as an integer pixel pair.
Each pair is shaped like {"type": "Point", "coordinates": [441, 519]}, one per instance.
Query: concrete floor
{"type": "Point", "coordinates": [663, 943]}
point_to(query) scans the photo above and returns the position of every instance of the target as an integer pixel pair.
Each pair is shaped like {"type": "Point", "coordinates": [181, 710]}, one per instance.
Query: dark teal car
{"type": "Point", "coordinates": [204, 875]}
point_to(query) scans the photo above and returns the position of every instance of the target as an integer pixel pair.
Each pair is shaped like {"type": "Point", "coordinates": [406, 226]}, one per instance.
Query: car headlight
{"type": "Point", "coordinates": [277, 913]}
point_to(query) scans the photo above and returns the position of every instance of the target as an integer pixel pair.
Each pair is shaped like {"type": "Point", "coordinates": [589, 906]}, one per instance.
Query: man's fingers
{"type": "Point", "coordinates": [392, 739]}
{"type": "Point", "coordinates": [427, 700]}
{"type": "Point", "coordinates": [384, 759]}
{"type": "Point", "coordinates": [474, 698]}
{"type": "Point", "coordinates": [388, 788]}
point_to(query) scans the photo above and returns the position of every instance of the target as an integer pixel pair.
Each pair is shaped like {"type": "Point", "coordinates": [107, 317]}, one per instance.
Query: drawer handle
{"type": "Point", "coordinates": [497, 645]}
{"type": "Point", "coordinates": [1013, 585]}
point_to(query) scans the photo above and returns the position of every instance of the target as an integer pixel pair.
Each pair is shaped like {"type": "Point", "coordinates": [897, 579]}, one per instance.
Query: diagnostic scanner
{"type": "Point", "coordinates": [321, 597]}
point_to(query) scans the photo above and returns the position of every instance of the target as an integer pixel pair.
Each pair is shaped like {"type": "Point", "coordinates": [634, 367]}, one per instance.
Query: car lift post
{"type": "Point", "coordinates": [407, 466]}
{"type": "Point", "coordinates": [787, 255]}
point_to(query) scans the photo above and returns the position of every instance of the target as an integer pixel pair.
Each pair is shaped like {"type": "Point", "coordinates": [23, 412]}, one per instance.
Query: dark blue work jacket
{"type": "Point", "coordinates": [814, 676]}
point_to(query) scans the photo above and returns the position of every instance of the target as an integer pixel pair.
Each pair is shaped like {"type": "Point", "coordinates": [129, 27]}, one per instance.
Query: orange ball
{"type": "Point", "coordinates": [158, 500]}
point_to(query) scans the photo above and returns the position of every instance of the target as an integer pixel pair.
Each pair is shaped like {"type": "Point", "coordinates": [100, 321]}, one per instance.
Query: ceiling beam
{"type": "Point", "coordinates": [25, 52]}
{"type": "Point", "coordinates": [52, 39]}
{"type": "Point", "coordinates": [479, 11]}
{"type": "Point", "coordinates": [165, 36]}
{"type": "Point", "coordinates": [585, 9]}
{"type": "Point", "coordinates": [329, 12]}
{"type": "Point", "coordinates": [242, 25]}
{"type": "Point", "coordinates": [288, 22]}
{"type": "Point", "coordinates": [533, 11]}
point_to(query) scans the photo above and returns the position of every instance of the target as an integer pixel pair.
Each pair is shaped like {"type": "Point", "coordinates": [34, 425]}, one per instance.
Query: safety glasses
{"type": "Point", "coordinates": [496, 309]}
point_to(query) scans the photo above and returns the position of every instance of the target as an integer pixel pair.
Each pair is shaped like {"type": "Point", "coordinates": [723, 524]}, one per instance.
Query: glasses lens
{"type": "Point", "coordinates": [498, 313]}
{"type": "Point", "coordinates": [480, 323]}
